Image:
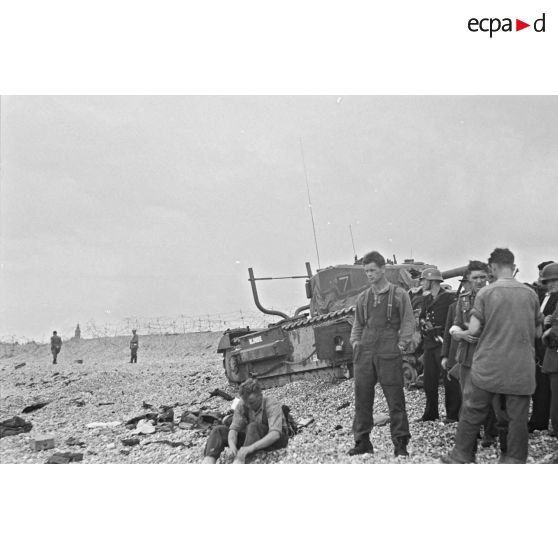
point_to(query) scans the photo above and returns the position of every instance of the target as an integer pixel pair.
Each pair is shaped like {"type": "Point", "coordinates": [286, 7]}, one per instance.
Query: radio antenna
{"type": "Point", "coordinates": [353, 241]}
{"type": "Point", "coordinates": [310, 202]}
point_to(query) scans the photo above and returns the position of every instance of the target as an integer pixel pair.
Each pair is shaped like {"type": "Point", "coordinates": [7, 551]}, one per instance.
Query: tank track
{"type": "Point", "coordinates": [302, 322]}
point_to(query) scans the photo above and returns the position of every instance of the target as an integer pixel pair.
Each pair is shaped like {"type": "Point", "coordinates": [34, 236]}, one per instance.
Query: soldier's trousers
{"type": "Point", "coordinates": [474, 411]}
{"type": "Point", "coordinates": [219, 439]}
{"type": "Point", "coordinates": [490, 426]}
{"type": "Point", "coordinates": [540, 416]}
{"type": "Point", "coordinates": [432, 371]}
{"type": "Point", "coordinates": [54, 355]}
{"type": "Point", "coordinates": [553, 379]}
{"type": "Point", "coordinates": [134, 355]}
{"type": "Point", "coordinates": [369, 369]}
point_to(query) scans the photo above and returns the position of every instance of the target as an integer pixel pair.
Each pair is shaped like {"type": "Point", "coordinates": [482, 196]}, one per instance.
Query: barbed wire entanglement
{"type": "Point", "coordinates": [158, 325]}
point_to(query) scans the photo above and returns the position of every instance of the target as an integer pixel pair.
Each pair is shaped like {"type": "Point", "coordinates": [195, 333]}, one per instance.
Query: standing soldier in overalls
{"type": "Point", "coordinates": [134, 344]}
{"type": "Point", "coordinates": [383, 328]}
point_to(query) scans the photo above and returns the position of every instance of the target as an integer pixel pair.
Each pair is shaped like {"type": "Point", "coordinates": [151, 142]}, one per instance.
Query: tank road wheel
{"type": "Point", "coordinates": [232, 369]}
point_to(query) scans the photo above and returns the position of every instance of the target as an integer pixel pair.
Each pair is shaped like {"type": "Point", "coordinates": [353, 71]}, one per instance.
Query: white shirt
{"type": "Point", "coordinates": [545, 301]}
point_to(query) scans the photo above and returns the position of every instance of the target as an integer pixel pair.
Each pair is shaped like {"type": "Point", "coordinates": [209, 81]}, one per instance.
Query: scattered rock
{"type": "Point", "coordinates": [134, 421]}
{"type": "Point", "coordinates": [381, 419]}
{"type": "Point", "coordinates": [78, 402]}
{"type": "Point", "coordinates": [63, 458]}
{"type": "Point", "coordinates": [42, 442]}
{"type": "Point", "coordinates": [14, 426]}
{"type": "Point", "coordinates": [166, 414]}
{"type": "Point", "coordinates": [75, 442]}
{"type": "Point", "coordinates": [144, 427]}
{"type": "Point", "coordinates": [170, 443]}
{"type": "Point", "coordinates": [220, 393]}
{"type": "Point", "coordinates": [20, 365]}
{"type": "Point", "coordinates": [130, 441]}
{"type": "Point", "coordinates": [104, 424]}
{"type": "Point", "coordinates": [35, 407]}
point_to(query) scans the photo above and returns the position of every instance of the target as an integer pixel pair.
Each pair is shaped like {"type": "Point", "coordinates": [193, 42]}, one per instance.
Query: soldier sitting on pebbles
{"type": "Point", "coordinates": [258, 424]}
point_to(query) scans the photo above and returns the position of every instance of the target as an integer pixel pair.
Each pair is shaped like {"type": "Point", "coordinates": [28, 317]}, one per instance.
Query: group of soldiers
{"type": "Point", "coordinates": [494, 346]}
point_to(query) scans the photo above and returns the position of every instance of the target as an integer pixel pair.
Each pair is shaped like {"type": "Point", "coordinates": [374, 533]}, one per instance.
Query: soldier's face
{"type": "Point", "coordinates": [374, 272]}
{"type": "Point", "coordinates": [552, 286]}
{"type": "Point", "coordinates": [253, 401]}
{"type": "Point", "coordinates": [478, 279]}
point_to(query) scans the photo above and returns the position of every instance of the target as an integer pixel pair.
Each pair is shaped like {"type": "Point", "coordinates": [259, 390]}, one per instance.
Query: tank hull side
{"type": "Point", "coordinates": [300, 363]}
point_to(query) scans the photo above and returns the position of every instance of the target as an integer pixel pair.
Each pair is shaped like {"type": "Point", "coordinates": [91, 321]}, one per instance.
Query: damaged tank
{"type": "Point", "coordinates": [314, 342]}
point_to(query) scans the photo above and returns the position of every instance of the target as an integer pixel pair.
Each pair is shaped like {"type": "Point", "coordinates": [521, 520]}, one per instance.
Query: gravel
{"type": "Point", "coordinates": [182, 370]}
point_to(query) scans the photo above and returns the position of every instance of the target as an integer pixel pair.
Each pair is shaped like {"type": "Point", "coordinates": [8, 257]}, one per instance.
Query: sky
{"type": "Point", "coordinates": [112, 207]}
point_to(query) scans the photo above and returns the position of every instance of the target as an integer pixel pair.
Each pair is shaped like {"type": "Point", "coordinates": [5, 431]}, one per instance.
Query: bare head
{"type": "Point", "coordinates": [501, 262]}
{"type": "Point", "coordinates": [251, 394]}
{"type": "Point", "coordinates": [477, 275]}
{"type": "Point", "coordinates": [374, 267]}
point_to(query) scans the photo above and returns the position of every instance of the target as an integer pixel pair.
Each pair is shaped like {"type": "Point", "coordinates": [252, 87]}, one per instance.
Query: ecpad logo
{"type": "Point", "coordinates": [492, 25]}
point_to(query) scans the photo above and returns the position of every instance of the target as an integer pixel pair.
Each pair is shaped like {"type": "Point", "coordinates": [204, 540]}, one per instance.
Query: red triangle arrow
{"type": "Point", "coordinates": [519, 25]}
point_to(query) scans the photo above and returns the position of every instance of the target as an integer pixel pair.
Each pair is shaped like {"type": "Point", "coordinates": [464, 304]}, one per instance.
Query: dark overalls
{"type": "Point", "coordinates": [377, 358]}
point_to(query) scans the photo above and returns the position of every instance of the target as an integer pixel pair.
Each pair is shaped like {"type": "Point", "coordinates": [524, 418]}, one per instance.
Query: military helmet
{"type": "Point", "coordinates": [432, 274]}
{"type": "Point", "coordinates": [549, 272]}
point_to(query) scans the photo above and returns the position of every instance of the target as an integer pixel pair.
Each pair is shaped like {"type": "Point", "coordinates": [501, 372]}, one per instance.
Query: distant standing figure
{"type": "Point", "coordinates": [134, 344]}
{"type": "Point", "coordinates": [77, 334]}
{"type": "Point", "coordinates": [55, 346]}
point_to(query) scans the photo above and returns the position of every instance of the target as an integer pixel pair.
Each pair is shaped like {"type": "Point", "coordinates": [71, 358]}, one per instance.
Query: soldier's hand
{"type": "Point", "coordinates": [445, 363]}
{"type": "Point", "coordinates": [471, 339]}
{"type": "Point", "coordinates": [233, 450]}
{"type": "Point", "coordinates": [547, 320]}
{"type": "Point", "coordinates": [243, 453]}
{"type": "Point", "coordinates": [457, 335]}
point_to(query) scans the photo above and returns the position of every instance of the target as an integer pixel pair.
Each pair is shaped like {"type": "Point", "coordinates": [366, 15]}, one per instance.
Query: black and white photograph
{"type": "Point", "coordinates": [279, 279]}
{"type": "Point", "coordinates": [316, 239]}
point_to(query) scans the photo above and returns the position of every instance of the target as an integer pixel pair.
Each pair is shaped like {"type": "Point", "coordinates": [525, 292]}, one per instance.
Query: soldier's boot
{"type": "Point", "coordinates": [488, 440]}
{"type": "Point", "coordinates": [400, 448]}
{"type": "Point", "coordinates": [364, 445]}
